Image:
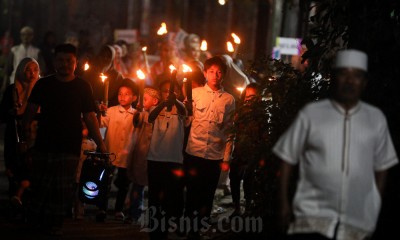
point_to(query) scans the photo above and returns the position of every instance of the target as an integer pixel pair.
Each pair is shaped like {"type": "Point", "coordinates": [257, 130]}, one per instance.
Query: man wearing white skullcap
{"type": "Point", "coordinates": [21, 51]}
{"type": "Point", "coordinates": [343, 148]}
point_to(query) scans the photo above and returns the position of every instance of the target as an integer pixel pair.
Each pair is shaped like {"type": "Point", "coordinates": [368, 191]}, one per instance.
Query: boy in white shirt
{"type": "Point", "coordinates": [118, 121]}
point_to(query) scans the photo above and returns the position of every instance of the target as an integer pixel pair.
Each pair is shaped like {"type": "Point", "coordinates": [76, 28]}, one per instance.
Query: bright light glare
{"type": "Point", "coordinates": [203, 46]}
{"type": "Point", "coordinates": [221, 2]}
{"type": "Point", "coordinates": [230, 47]}
{"type": "Point", "coordinates": [140, 74]}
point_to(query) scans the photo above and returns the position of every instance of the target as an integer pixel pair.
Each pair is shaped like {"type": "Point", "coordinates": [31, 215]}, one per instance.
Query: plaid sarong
{"type": "Point", "coordinates": [53, 176]}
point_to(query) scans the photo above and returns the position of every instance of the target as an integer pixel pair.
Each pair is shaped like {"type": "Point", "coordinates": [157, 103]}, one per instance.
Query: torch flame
{"type": "Point", "coordinates": [240, 89]}
{"type": "Point", "coordinates": [86, 66]}
{"type": "Point", "coordinates": [203, 46]}
{"type": "Point", "coordinates": [222, 2]}
{"type": "Point", "coordinates": [172, 68]}
{"type": "Point", "coordinates": [229, 47]}
{"type": "Point", "coordinates": [163, 29]}
{"type": "Point", "coordinates": [103, 77]}
{"type": "Point", "coordinates": [144, 49]}
{"type": "Point", "coordinates": [140, 74]}
{"type": "Point", "coordinates": [236, 39]}
{"type": "Point", "coordinates": [186, 68]}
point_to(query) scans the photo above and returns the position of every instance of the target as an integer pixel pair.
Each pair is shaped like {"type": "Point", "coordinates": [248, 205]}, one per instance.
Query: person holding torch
{"type": "Point", "coordinates": [208, 147]}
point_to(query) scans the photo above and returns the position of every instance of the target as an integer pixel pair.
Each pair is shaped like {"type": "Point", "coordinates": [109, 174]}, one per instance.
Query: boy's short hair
{"type": "Point", "coordinates": [65, 48]}
{"type": "Point", "coordinates": [215, 61]}
{"type": "Point", "coordinates": [152, 92]}
{"type": "Point", "coordinates": [129, 83]}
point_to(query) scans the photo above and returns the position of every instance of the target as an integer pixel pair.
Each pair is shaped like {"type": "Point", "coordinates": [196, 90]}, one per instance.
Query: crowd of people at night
{"type": "Point", "coordinates": [165, 130]}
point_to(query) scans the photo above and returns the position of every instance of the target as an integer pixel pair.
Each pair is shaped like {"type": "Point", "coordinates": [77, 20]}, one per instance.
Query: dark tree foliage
{"type": "Point", "coordinates": [259, 124]}
{"type": "Point", "coordinates": [369, 25]}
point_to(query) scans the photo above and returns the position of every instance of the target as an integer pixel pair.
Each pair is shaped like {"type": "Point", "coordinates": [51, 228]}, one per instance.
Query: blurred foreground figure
{"type": "Point", "coordinates": [12, 107]}
{"type": "Point", "coordinates": [63, 98]}
{"type": "Point", "coordinates": [343, 149]}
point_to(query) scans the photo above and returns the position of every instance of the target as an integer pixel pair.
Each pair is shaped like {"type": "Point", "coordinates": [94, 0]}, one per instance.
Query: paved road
{"type": "Point", "coordinates": [88, 228]}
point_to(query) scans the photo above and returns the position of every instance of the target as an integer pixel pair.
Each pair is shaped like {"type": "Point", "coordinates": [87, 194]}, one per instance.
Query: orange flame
{"type": "Point", "coordinates": [172, 68]}
{"type": "Point", "coordinates": [186, 68]}
{"type": "Point", "coordinates": [203, 46]}
{"type": "Point", "coordinates": [163, 29]}
{"type": "Point", "coordinates": [240, 89]}
{"type": "Point", "coordinates": [236, 39]}
{"type": "Point", "coordinates": [103, 77]}
{"type": "Point", "coordinates": [86, 66]}
{"type": "Point", "coordinates": [230, 47]}
{"type": "Point", "coordinates": [140, 74]}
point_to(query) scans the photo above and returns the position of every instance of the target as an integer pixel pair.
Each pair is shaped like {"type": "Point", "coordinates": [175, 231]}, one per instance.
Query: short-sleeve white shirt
{"type": "Point", "coordinates": [338, 154]}
{"type": "Point", "coordinates": [119, 124]}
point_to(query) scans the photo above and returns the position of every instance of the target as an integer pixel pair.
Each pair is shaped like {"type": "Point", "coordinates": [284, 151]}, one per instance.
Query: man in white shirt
{"type": "Point", "coordinates": [207, 146]}
{"type": "Point", "coordinates": [343, 148]}
{"type": "Point", "coordinates": [21, 51]}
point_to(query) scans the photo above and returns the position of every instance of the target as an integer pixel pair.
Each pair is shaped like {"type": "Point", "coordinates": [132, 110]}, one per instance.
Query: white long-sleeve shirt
{"type": "Point", "coordinates": [212, 116]}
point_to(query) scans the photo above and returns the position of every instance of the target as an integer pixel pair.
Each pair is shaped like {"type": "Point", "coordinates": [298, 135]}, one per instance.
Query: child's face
{"type": "Point", "coordinates": [214, 76]}
{"type": "Point", "coordinates": [149, 101]}
{"type": "Point", "coordinates": [250, 94]}
{"type": "Point", "coordinates": [125, 97]}
{"type": "Point", "coordinates": [165, 90]}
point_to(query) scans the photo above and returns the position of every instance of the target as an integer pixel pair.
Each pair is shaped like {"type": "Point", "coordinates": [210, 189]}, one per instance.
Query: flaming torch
{"type": "Point", "coordinates": [162, 30]}
{"type": "Point", "coordinates": [236, 39]}
{"type": "Point", "coordinates": [240, 89]}
{"type": "Point", "coordinates": [141, 76]}
{"type": "Point", "coordinates": [203, 46]}
{"type": "Point", "coordinates": [106, 86]}
{"type": "Point", "coordinates": [229, 47]}
{"type": "Point", "coordinates": [187, 81]}
{"type": "Point", "coordinates": [172, 83]}
{"type": "Point", "coordinates": [146, 61]}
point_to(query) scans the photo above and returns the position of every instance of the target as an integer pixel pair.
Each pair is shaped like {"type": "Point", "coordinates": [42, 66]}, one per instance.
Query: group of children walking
{"type": "Point", "coordinates": [149, 150]}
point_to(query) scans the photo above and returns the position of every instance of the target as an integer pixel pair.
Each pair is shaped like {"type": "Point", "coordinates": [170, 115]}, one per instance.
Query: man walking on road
{"type": "Point", "coordinates": [343, 148]}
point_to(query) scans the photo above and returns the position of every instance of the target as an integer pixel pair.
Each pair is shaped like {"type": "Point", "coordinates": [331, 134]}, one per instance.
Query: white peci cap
{"type": "Point", "coordinates": [352, 58]}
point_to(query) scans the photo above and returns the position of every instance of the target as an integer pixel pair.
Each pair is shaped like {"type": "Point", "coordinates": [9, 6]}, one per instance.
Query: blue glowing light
{"type": "Point", "coordinates": [90, 190]}
{"type": "Point", "coordinates": [101, 175]}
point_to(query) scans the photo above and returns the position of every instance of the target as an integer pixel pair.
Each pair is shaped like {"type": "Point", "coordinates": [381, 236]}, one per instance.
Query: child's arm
{"type": "Point", "coordinates": [153, 114]}
{"type": "Point", "coordinates": [138, 119]}
{"type": "Point", "coordinates": [104, 119]}
{"type": "Point", "coordinates": [181, 108]}
{"type": "Point", "coordinates": [93, 127]}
